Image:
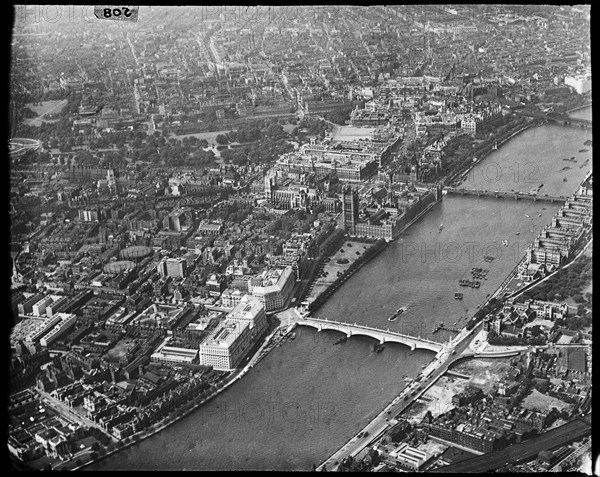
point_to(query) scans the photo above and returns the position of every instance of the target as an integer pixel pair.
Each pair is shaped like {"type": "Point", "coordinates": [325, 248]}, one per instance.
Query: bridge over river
{"type": "Point", "coordinates": [573, 122]}
{"type": "Point", "coordinates": [506, 194]}
{"type": "Point", "coordinates": [383, 336]}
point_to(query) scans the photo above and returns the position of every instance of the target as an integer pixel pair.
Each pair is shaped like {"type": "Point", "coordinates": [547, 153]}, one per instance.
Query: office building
{"type": "Point", "coordinates": [228, 344]}
{"type": "Point", "coordinates": [173, 267]}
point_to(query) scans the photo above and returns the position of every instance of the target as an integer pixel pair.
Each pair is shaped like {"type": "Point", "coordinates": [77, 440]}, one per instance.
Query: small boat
{"type": "Point", "coordinates": [293, 336]}
{"type": "Point", "coordinates": [539, 215]}
{"type": "Point", "coordinates": [517, 233]}
{"type": "Point", "coordinates": [441, 228]}
{"type": "Point", "coordinates": [583, 150]}
{"type": "Point", "coordinates": [341, 340]}
{"type": "Point", "coordinates": [398, 312]}
{"type": "Point", "coordinates": [527, 216]}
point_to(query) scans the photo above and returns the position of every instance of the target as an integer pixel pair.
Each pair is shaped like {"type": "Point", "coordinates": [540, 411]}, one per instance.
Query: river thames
{"type": "Point", "coordinates": [308, 397]}
{"type": "Point", "coordinates": [583, 113]}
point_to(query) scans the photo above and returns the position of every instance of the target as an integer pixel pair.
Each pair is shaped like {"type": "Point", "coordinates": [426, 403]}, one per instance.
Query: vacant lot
{"type": "Point", "coordinates": [119, 350]}
{"type": "Point", "coordinates": [485, 373]}
{"type": "Point", "coordinates": [432, 447]}
{"type": "Point", "coordinates": [540, 402]}
{"type": "Point", "coordinates": [437, 399]}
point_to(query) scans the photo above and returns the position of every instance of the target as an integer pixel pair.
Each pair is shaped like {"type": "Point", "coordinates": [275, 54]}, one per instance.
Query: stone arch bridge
{"type": "Point", "coordinates": [383, 336]}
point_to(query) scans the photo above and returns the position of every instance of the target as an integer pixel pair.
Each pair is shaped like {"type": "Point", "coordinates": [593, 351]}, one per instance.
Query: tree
{"type": "Point", "coordinates": [578, 298]}
{"type": "Point", "coordinates": [535, 330]}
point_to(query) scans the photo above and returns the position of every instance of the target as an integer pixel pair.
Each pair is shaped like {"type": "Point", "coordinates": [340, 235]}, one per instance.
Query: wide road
{"type": "Point", "coordinates": [564, 434]}
{"type": "Point", "coordinates": [381, 423]}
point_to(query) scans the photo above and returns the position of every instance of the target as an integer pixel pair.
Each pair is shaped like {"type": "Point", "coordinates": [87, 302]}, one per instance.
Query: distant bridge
{"type": "Point", "coordinates": [500, 194]}
{"type": "Point", "coordinates": [383, 336]}
{"type": "Point", "coordinates": [573, 122]}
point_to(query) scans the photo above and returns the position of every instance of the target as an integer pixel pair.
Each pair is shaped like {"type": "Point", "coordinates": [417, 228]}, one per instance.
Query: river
{"type": "Point", "coordinates": [547, 146]}
{"type": "Point", "coordinates": [583, 113]}
{"type": "Point", "coordinates": [307, 398]}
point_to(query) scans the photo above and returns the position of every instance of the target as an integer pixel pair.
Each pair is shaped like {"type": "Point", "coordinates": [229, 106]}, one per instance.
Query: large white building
{"type": "Point", "coordinates": [252, 311]}
{"type": "Point", "coordinates": [231, 297]}
{"type": "Point", "coordinates": [229, 343]}
{"type": "Point", "coordinates": [409, 458]}
{"type": "Point", "coordinates": [226, 346]}
{"type": "Point", "coordinates": [273, 287]}
{"type": "Point", "coordinates": [66, 322]}
{"type": "Point", "coordinates": [581, 83]}
{"type": "Point", "coordinates": [39, 308]}
{"type": "Point", "coordinates": [172, 267]}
